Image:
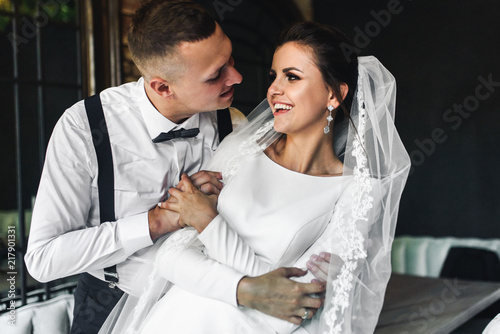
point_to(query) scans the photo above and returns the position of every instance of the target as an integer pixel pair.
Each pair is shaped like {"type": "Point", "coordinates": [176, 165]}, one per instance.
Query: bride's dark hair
{"type": "Point", "coordinates": [335, 66]}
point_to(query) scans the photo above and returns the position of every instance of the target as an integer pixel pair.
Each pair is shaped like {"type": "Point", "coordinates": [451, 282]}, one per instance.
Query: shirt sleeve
{"type": "Point", "coordinates": [63, 239]}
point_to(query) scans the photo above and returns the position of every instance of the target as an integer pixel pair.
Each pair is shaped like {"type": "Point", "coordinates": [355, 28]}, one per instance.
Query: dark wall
{"type": "Point", "coordinates": [445, 56]}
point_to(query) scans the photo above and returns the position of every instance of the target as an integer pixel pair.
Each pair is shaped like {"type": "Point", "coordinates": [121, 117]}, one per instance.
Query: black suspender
{"type": "Point", "coordinates": [224, 123]}
{"type": "Point", "coordinates": [105, 178]}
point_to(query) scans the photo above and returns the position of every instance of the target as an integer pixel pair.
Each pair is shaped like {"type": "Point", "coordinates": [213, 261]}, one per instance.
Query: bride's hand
{"type": "Point", "coordinates": [194, 207]}
{"type": "Point", "coordinates": [324, 263]}
{"type": "Point", "coordinates": [208, 182]}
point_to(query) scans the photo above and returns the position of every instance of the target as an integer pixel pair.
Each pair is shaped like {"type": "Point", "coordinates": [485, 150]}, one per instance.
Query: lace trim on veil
{"type": "Point", "coordinates": [353, 246]}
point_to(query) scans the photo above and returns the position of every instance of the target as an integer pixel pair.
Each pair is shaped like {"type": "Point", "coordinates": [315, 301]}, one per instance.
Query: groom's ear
{"type": "Point", "coordinates": [161, 87]}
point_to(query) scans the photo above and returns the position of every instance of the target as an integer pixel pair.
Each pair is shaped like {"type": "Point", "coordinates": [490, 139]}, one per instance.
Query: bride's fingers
{"type": "Point", "coordinates": [173, 203]}
{"type": "Point", "coordinates": [326, 256]}
{"type": "Point", "coordinates": [181, 185]}
{"type": "Point", "coordinates": [203, 176]}
{"type": "Point", "coordinates": [209, 189]}
{"type": "Point", "coordinates": [172, 199]}
{"type": "Point", "coordinates": [175, 193]}
{"type": "Point", "coordinates": [187, 185]}
{"type": "Point", "coordinates": [323, 264]}
{"type": "Point", "coordinates": [318, 267]}
{"type": "Point", "coordinates": [208, 182]}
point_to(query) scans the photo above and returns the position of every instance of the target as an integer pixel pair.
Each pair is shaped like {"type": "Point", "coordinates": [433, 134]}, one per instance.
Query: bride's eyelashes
{"type": "Point", "coordinates": [292, 77]}
{"type": "Point", "coordinates": [289, 76]}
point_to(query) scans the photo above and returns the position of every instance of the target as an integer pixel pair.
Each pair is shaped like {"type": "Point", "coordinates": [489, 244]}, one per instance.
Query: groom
{"type": "Point", "coordinates": [111, 158]}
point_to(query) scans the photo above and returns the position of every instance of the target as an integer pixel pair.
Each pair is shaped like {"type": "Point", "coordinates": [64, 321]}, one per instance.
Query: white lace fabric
{"type": "Point", "coordinates": [379, 164]}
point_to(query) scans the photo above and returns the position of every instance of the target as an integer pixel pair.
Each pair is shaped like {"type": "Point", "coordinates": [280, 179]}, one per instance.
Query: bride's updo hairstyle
{"type": "Point", "coordinates": [326, 44]}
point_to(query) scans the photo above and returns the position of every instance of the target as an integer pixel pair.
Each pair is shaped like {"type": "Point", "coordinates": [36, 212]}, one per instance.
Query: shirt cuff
{"type": "Point", "coordinates": [133, 232]}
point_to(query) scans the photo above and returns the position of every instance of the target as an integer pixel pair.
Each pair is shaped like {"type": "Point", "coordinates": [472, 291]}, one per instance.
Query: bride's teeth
{"type": "Point", "coordinates": [282, 106]}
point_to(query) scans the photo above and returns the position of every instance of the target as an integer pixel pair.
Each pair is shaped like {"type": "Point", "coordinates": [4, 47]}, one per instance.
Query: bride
{"type": "Point", "coordinates": [319, 167]}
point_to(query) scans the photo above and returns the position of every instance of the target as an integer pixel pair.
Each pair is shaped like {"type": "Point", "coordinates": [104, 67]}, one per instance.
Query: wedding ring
{"type": "Point", "coordinates": [304, 317]}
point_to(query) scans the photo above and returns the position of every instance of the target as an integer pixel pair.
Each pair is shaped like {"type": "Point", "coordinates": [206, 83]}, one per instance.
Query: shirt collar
{"type": "Point", "coordinates": [156, 123]}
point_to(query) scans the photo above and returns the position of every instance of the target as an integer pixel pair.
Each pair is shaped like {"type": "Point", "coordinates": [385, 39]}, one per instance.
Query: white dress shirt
{"type": "Point", "coordinates": [66, 237]}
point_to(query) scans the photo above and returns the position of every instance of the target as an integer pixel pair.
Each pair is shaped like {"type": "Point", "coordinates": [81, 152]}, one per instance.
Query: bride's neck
{"type": "Point", "coordinates": [306, 156]}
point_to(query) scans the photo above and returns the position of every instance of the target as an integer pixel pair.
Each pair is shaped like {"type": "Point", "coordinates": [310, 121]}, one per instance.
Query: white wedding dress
{"type": "Point", "coordinates": [269, 217]}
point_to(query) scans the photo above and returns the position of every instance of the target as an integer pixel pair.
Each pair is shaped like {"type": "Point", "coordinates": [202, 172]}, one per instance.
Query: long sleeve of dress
{"type": "Point", "coordinates": [181, 261]}
{"type": "Point", "coordinates": [63, 241]}
{"type": "Point", "coordinates": [224, 245]}
{"type": "Point", "coordinates": [188, 267]}
{"type": "Point", "coordinates": [184, 262]}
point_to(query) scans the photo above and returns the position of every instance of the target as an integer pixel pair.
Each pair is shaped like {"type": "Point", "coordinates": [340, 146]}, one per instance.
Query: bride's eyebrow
{"type": "Point", "coordinates": [288, 69]}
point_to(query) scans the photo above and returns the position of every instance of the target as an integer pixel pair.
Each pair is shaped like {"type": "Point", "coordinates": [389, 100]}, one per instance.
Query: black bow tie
{"type": "Point", "coordinates": [182, 133]}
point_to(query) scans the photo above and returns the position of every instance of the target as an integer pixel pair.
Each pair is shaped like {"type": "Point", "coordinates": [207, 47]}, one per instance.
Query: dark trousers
{"type": "Point", "coordinates": [94, 300]}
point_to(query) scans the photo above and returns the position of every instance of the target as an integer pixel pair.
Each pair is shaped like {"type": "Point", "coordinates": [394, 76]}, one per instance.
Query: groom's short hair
{"type": "Point", "coordinates": [158, 27]}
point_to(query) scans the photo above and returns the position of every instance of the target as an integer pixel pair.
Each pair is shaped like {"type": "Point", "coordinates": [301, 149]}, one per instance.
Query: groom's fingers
{"type": "Point", "coordinates": [293, 272]}
{"type": "Point", "coordinates": [277, 295]}
{"type": "Point", "coordinates": [169, 206]}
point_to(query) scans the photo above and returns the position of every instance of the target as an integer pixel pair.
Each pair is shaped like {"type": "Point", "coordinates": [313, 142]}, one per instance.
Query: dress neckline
{"type": "Point", "coordinates": [274, 163]}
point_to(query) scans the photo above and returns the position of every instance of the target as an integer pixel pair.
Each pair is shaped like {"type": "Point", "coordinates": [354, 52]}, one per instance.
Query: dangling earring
{"type": "Point", "coordinates": [329, 119]}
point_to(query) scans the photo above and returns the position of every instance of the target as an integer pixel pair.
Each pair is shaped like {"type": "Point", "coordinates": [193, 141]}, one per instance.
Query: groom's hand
{"type": "Point", "coordinates": [162, 221]}
{"type": "Point", "coordinates": [276, 294]}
